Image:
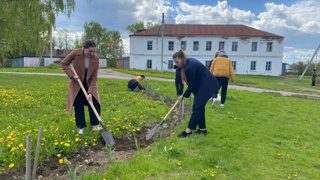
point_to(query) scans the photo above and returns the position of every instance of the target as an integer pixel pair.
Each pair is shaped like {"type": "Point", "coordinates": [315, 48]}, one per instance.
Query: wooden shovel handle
{"type": "Point", "coordinates": [85, 93]}
{"type": "Point", "coordinates": [174, 106]}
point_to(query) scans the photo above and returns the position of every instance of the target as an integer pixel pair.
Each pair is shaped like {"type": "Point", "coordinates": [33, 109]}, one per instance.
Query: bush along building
{"type": "Point", "coordinates": [251, 51]}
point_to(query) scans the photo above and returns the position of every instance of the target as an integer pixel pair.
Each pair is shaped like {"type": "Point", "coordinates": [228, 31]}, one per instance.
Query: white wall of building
{"type": "Point", "coordinates": [34, 61]}
{"type": "Point", "coordinates": [243, 56]}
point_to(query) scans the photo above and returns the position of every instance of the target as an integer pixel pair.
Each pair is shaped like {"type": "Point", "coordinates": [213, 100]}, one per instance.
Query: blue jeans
{"type": "Point", "coordinates": [133, 85]}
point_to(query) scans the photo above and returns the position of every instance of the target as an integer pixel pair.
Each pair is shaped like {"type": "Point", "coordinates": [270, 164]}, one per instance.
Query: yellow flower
{"type": "Point", "coordinates": [295, 175]}
{"type": "Point", "coordinates": [134, 130]}
{"type": "Point", "coordinates": [11, 165]}
{"type": "Point", "coordinates": [56, 143]}
{"type": "Point", "coordinates": [14, 148]}
{"type": "Point", "coordinates": [77, 139]}
{"type": "Point", "coordinates": [60, 161]}
{"type": "Point", "coordinates": [212, 175]}
{"type": "Point", "coordinates": [289, 177]}
{"type": "Point", "coordinates": [179, 163]}
{"type": "Point", "coordinates": [58, 155]}
{"type": "Point", "coordinates": [172, 144]}
{"type": "Point", "coordinates": [138, 129]}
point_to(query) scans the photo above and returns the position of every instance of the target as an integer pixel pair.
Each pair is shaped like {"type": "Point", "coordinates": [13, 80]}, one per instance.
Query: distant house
{"type": "Point", "coordinates": [123, 62]}
{"type": "Point", "coordinates": [31, 60]}
{"type": "Point", "coordinates": [251, 51]}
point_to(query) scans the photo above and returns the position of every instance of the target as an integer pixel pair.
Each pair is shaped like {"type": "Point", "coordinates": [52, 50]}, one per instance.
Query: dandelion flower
{"type": "Point", "coordinates": [77, 139]}
{"type": "Point", "coordinates": [60, 161]}
{"type": "Point", "coordinates": [138, 129]}
{"type": "Point", "coordinates": [295, 175]}
{"type": "Point", "coordinates": [58, 155]}
{"type": "Point", "coordinates": [11, 165]}
{"type": "Point", "coordinates": [212, 175]}
{"type": "Point", "coordinates": [179, 163]}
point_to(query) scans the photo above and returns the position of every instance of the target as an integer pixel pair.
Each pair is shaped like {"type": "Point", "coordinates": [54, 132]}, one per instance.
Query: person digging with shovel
{"type": "Point", "coordinates": [197, 76]}
{"type": "Point", "coordinates": [86, 64]}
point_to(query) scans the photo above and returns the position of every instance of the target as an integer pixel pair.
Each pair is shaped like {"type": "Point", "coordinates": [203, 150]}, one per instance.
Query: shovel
{"type": "Point", "coordinates": [105, 132]}
{"type": "Point", "coordinates": [155, 129]}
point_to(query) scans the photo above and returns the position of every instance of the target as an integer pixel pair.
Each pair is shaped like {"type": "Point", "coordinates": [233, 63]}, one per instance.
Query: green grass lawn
{"type": "Point", "coordinates": [284, 83]}
{"type": "Point", "coordinates": [256, 135]}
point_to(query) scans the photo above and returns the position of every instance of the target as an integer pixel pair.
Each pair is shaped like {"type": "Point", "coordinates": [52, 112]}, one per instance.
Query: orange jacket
{"type": "Point", "coordinates": [222, 67]}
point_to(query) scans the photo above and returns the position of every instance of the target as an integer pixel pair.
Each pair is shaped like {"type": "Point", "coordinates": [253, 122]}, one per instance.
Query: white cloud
{"type": "Point", "coordinates": [302, 17]}
{"type": "Point", "coordinates": [222, 13]}
{"type": "Point", "coordinates": [151, 10]}
{"type": "Point", "coordinates": [294, 55]}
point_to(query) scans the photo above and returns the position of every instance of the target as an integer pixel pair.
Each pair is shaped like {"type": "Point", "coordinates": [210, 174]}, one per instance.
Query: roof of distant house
{"type": "Point", "coordinates": [192, 30]}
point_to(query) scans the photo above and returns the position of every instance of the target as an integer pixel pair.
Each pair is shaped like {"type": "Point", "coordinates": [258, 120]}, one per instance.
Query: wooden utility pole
{"type": "Point", "coordinates": [162, 33]}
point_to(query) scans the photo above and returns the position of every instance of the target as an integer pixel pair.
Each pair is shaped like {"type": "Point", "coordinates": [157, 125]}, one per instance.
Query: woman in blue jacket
{"type": "Point", "coordinates": [197, 76]}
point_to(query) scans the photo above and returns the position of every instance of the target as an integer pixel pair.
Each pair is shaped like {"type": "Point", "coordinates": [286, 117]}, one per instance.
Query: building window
{"type": "Point", "coordinates": [195, 45]}
{"type": "Point", "coordinates": [149, 64]}
{"type": "Point", "coordinates": [269, 47]}
{"type": "Point", "coordinates": [253, 65]}
{"type": "Point", "coordinates": [235, 46]}
{"type": "Point", "coordinates": [184, 45]}
{"type": "Point", "coordinates": [221, 45]}
{"type": "Point", "coordinates": [171, 44]}
{"type": "Point", "coordinates": [254, 46]}
{"type": "Point", "coordinates": [170, 64]}
{"type": "Point", "coordinates": [208, 45]}
{"type": "Point", "coordinates": [268, 66]}
{"type": "Point", "coordinates": [207, 63]}
{"type": "Point", "coordinates": [149, 47]}
{"type": "Point", "coordinates": [234, 65]}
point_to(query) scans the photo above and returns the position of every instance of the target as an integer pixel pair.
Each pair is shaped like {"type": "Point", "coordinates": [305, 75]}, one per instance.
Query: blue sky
{"type": "Point", "coordinates": [297, 20]}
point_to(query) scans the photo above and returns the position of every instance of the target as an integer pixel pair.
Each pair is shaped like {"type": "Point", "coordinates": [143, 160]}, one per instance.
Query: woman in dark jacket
{"type": "Point", "coordinates": [197, 76]}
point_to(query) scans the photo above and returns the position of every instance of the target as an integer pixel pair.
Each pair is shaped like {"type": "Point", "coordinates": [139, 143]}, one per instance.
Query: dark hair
{"type": "Point", "coordinates": [142, 76]}
{"type": "Point", "coordinates": [89, 44]}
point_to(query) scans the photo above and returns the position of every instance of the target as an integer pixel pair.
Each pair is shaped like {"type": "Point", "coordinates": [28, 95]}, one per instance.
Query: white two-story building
{"type": "Point", "coordinates": [251, 51]}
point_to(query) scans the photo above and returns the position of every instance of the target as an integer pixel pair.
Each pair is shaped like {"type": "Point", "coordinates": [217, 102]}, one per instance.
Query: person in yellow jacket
{"type": "Point", "coordinates": [135, 82]}
{"type": "Point", "coordinates": [221, 68]}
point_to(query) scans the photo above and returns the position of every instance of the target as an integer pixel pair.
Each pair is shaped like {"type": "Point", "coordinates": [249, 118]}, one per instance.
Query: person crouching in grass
{"type": "Point", "coordinates": [135, 82]}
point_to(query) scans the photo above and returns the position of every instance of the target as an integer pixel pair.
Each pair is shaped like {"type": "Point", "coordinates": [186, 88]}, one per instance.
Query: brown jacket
{"type": "Point", "coordinates": [222, 67]}
{"type": "Point", "coordinates": [77, 57]}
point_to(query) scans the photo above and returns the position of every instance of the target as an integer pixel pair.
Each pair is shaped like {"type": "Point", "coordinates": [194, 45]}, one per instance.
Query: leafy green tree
{"type": "Point", "coordinates": [109, 43]}
{"type": "Point", "coordinates": [64, 39]}
{"type": "Point", "coordinates": [26, 24]}
{"type": "Point", "coordinates": [133, 28]}
{"type": "Point", "coordinates": [78, 42]}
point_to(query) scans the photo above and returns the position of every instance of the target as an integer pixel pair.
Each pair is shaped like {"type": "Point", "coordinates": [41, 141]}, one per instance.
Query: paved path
{"type": "Point", "coordinates": [111, 74]}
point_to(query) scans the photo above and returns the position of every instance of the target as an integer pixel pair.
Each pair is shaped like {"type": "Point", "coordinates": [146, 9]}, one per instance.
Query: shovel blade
{"type": "Point", "coordinates": [107, 137]}
{"type": "Point", "coordinates": [153, 131]}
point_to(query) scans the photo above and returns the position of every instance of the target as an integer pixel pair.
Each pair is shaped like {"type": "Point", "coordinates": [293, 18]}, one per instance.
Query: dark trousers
{"type": "Point", "coordinates": [179, 85]}
{"type": "Point", "coordinates": [223, 84]}
{"type": "Point", "coordinates": [79, 104]}
{"type": "Point", "coordinates": [313, 83]}
{"type": "Point", "coordinates": [132, 86]}
{"type": "Point", "coordinates": [198, 117]}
